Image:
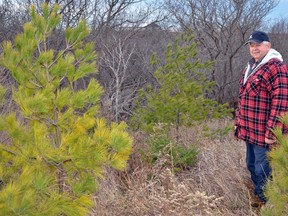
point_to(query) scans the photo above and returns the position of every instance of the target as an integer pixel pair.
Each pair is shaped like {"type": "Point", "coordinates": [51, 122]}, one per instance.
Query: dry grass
{"type": "Point", "coordinates": [215, 186]}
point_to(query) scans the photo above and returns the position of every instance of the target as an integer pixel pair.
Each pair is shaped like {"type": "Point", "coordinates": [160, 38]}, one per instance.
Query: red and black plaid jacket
{"type": "Point", "coordinates": [262, 99]}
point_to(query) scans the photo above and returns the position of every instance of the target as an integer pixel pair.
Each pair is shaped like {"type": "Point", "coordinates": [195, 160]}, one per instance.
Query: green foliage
{"type": "Point", "coordinates": [177, 157]}
{"type": "Point", "coordinates": [179, 97]}
{"type": "Point", "coordinates": [217, 133]}
{"type": "Point", "coordinates": [2, 94]}
{"type": "Point", "coordinates": [161, 149]}
{"type": "Point", "coordinates": [277, 188]}
{"type": "Point", "coordinates": [56, 147]}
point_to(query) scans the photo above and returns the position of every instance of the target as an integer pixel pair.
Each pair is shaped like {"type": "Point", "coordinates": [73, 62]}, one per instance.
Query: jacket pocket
{"type": "Point", "coordinates": [254, 85]}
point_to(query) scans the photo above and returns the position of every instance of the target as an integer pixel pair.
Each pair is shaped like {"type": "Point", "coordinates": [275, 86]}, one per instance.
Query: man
{"type": "Point", "coordinates": [263, 98]}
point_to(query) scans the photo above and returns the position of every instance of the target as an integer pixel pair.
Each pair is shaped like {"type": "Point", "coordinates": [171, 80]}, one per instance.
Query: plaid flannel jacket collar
{"type": "Point", "coordinates": [272, 53]}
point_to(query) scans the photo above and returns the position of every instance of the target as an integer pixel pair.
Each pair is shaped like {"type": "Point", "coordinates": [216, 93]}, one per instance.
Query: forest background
{"type": "Point", "coordinates": [126, 34]}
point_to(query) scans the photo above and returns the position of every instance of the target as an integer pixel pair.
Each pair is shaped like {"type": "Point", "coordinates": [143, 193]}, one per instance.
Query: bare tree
{"type": "Point", "coordinates": [116, 59]}
{"type": "Point", "coordinates": [221, 27]}
{"type": "Point", "coordinates": [126, 32]}
{"type": "Point", "coordinates": [11, 20]}
{"type": "Point", "coordinates": [118, 14]}
{"type": "Point", "coordinates": [279, 37]}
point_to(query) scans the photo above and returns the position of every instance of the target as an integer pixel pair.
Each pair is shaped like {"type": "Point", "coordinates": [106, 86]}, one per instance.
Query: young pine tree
{"type": "Point", "coordinates": [179, 97]}
{"type": "Point", "coordinates": [54, 148]}
{"type": "Point", "coordinates": [277, 188]}
{"type": "Point", "coordinates": [177, 100]}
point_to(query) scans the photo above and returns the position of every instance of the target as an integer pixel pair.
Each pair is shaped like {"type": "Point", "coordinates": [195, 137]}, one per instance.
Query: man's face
{"type": "Point", "coordinates": [259, 50]}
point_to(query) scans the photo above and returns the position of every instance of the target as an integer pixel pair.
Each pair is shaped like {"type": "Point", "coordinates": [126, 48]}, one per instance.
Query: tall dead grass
{"type": "Point", "coordinates": [215, 186]}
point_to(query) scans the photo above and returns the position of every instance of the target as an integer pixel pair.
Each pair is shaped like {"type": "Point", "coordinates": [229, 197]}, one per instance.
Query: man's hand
{"type": "Point", "coordinates": [269, 141]}
{"type": "Point", "coordinates": [234, 134]}
{"type": "Point", "coordinates": [272, 142]}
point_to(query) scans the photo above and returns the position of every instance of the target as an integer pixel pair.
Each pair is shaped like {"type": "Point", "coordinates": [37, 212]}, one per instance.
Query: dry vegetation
{"type": "Point", "coordinates": [215, 186]}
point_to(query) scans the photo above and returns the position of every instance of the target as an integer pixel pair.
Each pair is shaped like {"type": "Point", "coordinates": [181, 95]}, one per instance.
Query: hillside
{"type": "Point", "coordinates": [217, 185]}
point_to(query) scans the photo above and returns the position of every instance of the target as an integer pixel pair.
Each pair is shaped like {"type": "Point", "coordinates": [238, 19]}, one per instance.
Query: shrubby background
{"type": "Point", "coordinates": [127, 32]}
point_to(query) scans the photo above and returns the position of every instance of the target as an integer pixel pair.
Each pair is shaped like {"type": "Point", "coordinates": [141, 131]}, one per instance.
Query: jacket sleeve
{"type": "Point", "coordinates": [278, 88]}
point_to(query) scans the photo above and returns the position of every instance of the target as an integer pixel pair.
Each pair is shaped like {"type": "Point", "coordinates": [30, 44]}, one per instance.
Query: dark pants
{"type": "Point", "coordinates": [258, 165]}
